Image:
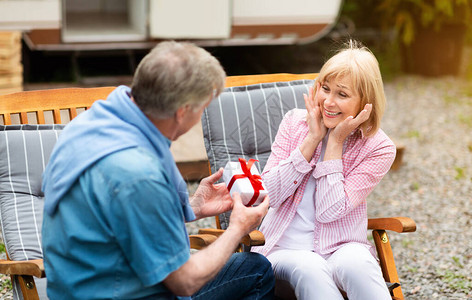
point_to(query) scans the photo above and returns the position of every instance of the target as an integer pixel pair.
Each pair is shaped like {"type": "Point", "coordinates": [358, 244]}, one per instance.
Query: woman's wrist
{"type": "Point", "coordinates": [315, 140]}
{"type": "Point", "coordinates": [308, 146]}
{"type": "Point", "coordinates": [334, 150]}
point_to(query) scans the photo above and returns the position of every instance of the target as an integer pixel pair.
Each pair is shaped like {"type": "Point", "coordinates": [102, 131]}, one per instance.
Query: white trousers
{"type": "Point", "coordinates": [351, 268]}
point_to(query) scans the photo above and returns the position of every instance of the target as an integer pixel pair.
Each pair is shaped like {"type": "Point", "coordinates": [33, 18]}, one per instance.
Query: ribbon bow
{"type": "Point", "coordinates": [254, 179]}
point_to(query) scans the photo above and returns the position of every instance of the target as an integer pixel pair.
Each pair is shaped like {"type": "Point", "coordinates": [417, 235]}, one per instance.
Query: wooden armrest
{"type": "Point", "coordinates": [201, 241]}
{"type": "Point", "coordinates": [28, 267]}
{"type": "Point", "coordinates": [255, 238]}
{"type": "Point", "coordinates": [398, 224]}
{"type": "Point", "coordinates": [212, 231]}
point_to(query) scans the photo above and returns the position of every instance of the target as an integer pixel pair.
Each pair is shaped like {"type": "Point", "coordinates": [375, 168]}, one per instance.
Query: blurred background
{"type": "Point", "coordinates": [92, 42]}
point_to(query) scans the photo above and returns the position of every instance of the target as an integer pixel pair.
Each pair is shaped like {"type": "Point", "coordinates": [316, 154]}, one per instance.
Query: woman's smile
{"type": "Point", "coordinates": [330, 114]}
{"type": "Point", "coordinates": [338, 100]}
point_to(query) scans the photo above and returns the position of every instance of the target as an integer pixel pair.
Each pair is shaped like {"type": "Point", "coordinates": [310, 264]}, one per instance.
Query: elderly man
{"type": "Point", "coordinates": [116, 204]}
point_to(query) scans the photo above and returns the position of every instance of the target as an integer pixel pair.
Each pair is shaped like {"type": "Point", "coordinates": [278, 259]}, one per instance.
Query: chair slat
{"type": "Point", "coordinates": [72, 113]}
{"type": "Point", "coordinates": [40, 117]}
{"type": "Point", "coordinates": [57, 116]}
{"type": "Point", "coordinates": [6, 119]}
{"type": "Point", "coordinates": [23, 117]}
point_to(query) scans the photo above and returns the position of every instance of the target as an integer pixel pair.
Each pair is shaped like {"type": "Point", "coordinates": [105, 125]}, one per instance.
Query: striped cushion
{"type": "Point", "coordinates": [24, 153]}
{"type": "Point", "coordinates": [244, 120]}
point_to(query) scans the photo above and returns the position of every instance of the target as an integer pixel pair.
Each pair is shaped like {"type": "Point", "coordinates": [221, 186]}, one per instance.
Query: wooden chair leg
{"type": "Point", "coordinates": [384, 251]}
{"type": "Point", "coordinates": [28, 287]}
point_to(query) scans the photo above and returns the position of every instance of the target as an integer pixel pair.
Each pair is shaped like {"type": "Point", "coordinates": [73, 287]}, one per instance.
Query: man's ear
{"type": "Point", "coordinates": [181, 113]}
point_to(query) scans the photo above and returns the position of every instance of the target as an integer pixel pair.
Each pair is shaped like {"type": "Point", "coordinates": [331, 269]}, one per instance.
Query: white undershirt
{"type": "Point", "coordinates": [300, 233]}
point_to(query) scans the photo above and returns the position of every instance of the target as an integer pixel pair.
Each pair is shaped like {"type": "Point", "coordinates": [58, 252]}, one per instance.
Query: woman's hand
{"type": "Point", "coordinates": [314, 119]}
{"type": "Point", "coordinates": [343, 129]}
{"type": "Point", "coordinates": [316, 128]}
{"type": "Point", "coordinates": [337, 136]}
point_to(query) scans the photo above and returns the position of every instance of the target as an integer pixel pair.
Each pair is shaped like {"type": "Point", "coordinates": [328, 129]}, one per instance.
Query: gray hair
{"type": "Point", "coordinates": [173, 75]}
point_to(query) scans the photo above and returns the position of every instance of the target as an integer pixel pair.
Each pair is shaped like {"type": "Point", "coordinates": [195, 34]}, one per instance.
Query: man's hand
{"type": "Point", "coordinates": [205, 264]}
{"type": "Point", "coordinates": [246, 219]}
{"type": "Point", "coordinates": [211, 199]}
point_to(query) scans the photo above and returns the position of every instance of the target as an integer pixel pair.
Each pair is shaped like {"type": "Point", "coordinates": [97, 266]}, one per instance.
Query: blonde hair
{"type": "Point", "coordinates": [358, 62]}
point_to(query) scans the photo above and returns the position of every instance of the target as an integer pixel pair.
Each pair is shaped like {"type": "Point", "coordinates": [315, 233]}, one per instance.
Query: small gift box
{"type": "Point", "coordinates": [245, 179]}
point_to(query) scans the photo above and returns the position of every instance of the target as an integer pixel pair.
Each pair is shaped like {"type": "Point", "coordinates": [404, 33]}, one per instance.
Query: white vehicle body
{"type": "Point", "coordinates": [56, 23]}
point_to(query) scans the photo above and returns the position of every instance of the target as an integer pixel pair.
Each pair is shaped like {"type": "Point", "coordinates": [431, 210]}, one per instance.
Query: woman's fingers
{"type": "Point", "coordinates": [310, 102]}
{"type": "Point", "coordinates": [350, 123]}
{"type": "Point", "coordinates": [307, 103]}
{"type": "Point", "coordinates": [312, 92]}
{"type": "Point", "coordinates": [364, 114]}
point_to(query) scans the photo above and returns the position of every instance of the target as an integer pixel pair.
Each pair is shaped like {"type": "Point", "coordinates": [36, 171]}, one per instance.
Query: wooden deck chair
{"type": "Point", "coordinates": [24, 153]}
{"type": "Point", "coordinates": [243, 122]}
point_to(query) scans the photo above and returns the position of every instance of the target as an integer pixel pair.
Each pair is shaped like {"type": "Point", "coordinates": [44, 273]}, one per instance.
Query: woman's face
{"type": "Point", "coordinates": [338, 100]}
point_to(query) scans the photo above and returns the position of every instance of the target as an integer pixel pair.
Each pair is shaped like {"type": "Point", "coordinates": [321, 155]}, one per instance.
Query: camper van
{"type": "Point", "coordinates": [111, 24]}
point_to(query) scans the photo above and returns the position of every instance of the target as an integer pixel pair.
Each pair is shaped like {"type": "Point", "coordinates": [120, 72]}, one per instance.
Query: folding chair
{"type": "Point", "coordinates": [243, 122]}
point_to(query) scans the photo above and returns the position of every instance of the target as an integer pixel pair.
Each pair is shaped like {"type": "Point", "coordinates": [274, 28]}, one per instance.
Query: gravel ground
{"type": "Point", "coordinates": [433, 119]}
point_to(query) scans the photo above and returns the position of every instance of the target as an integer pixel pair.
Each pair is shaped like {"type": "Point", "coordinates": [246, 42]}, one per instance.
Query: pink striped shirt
{"type": "Point", "coordinates": [341, 185]}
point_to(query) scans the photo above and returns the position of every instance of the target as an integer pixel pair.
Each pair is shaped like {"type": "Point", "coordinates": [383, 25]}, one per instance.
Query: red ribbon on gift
{"type": "Point", "coordinates": [254, 179]}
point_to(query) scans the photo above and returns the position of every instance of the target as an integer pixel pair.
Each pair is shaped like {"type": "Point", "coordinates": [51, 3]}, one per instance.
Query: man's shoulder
{"type": "Point", "coordinates": [132, 163]}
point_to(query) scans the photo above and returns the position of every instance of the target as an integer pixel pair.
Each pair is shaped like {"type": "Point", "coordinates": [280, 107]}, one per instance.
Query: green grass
{"type": "Point", "coordinates": [415, 186]}
{"type": "Point", "coordinates": [412, 269]}
{"type": "Point", "coordinates": [457, 281]}
{"type": "Point", "coordinates": [460, 173]}
{"type": "Point", "coordinates": [467, 91]}
{"type": "Point", "coordinates": [462, 97]}
{"type": "Point", "coordinates": [457, 261]}
{"type": "Point", "coordinates": [413, 134]}
{"type": "Point", "coordinates": [465, 119]}
{"type": "Point", "coordinates": [5, 283]}
{"type": "Point", "coordinates": [407, 243]}
{"type": "Point", "coordinates": [452, 99]}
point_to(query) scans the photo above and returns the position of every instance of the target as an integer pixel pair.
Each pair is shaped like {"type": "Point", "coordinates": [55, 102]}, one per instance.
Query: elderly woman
{"type": "Point", "coordinates": [324, 162]}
